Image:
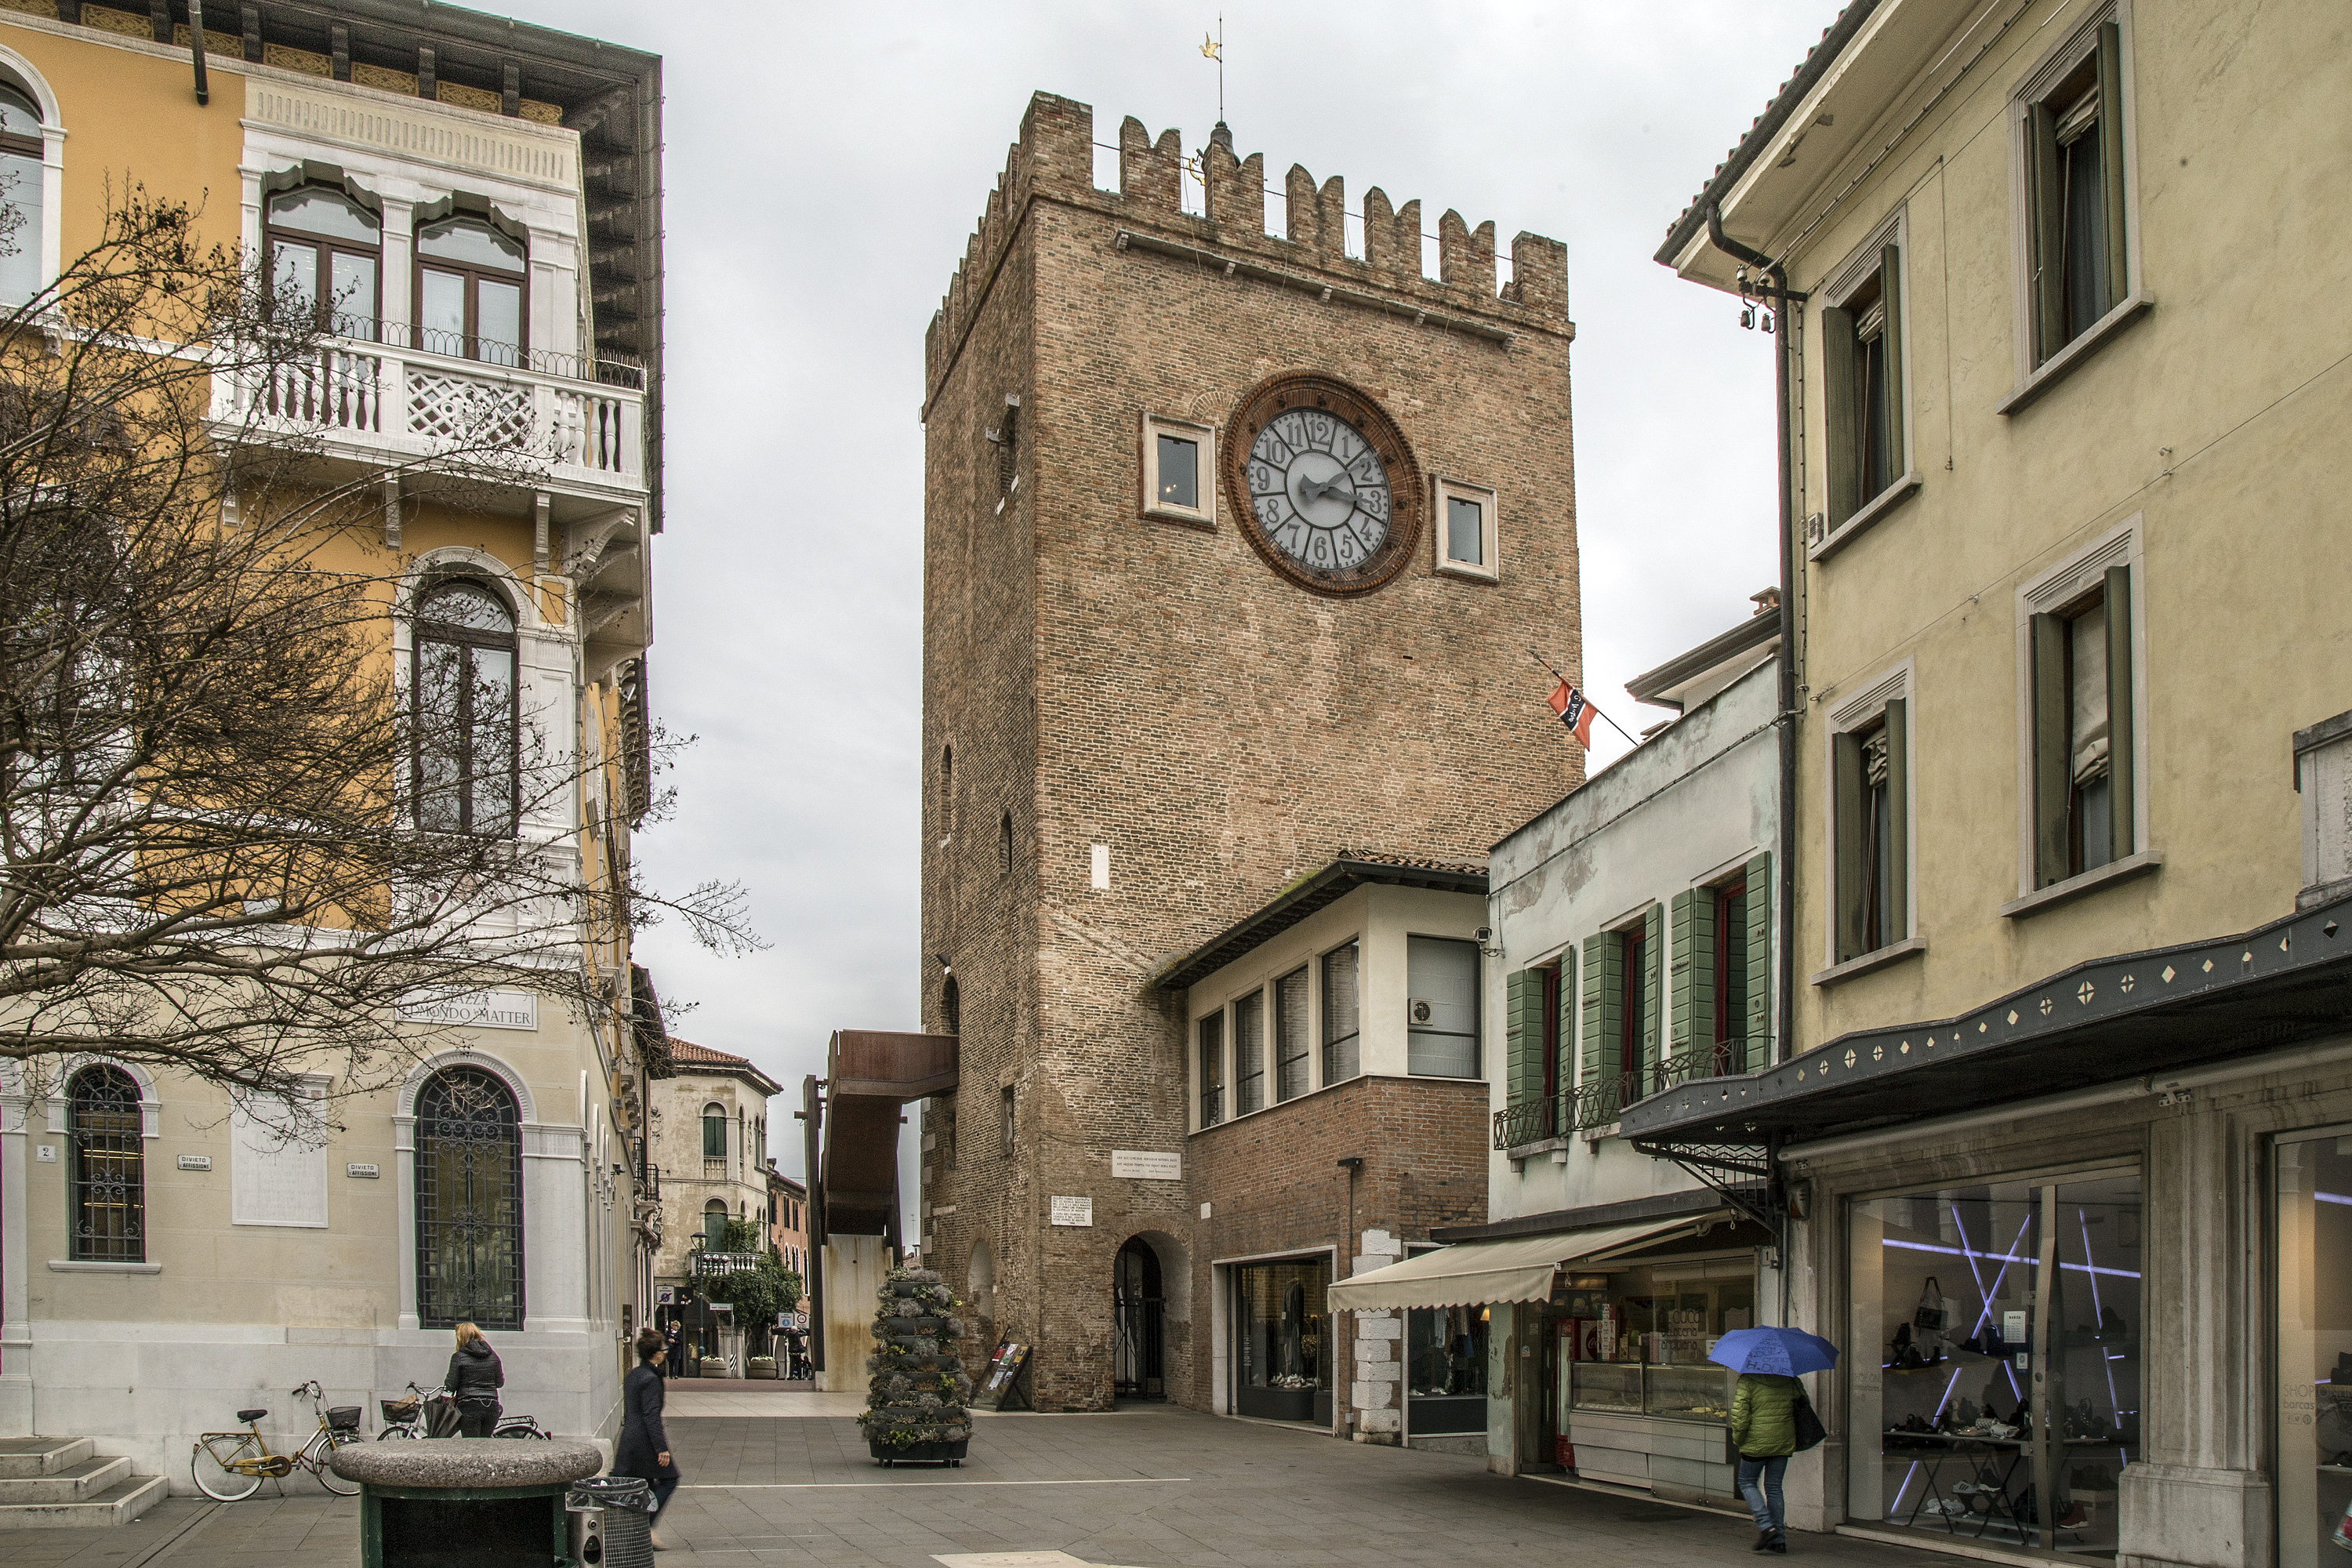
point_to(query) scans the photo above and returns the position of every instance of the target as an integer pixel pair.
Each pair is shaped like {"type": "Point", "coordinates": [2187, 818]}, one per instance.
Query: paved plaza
{"type": "Point", "coordinates": [1151, 1487]}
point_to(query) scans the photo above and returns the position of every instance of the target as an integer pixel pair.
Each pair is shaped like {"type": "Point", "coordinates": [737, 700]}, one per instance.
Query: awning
{"type": "Point", "coordinates": [1477, 1273]}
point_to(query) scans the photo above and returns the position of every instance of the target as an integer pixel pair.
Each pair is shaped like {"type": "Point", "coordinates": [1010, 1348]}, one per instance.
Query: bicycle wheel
{"type": "Point", "coordinates": [211, 1461]}
{"type": "Point", "coordinates": [319, 1451]}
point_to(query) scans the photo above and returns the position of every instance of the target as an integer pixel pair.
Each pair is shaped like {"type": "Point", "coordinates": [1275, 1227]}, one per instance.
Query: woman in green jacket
{"type": "Point", "coordinates": [1764, 1430]}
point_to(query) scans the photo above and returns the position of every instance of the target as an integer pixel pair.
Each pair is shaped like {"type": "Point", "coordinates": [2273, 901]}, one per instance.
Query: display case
{"type": "Point", "coordinates": [1607, 1385]}
{"type": "Point", "coordinates": [1701, 1393]}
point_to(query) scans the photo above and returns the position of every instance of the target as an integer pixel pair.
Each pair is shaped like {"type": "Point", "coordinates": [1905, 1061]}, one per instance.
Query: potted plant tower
{"type": "Point", "coordinates": [917, 1398]}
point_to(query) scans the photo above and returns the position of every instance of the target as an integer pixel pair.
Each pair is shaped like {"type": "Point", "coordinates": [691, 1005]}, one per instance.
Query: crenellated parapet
{"type": "Point", "coordinates": [1055, 157]}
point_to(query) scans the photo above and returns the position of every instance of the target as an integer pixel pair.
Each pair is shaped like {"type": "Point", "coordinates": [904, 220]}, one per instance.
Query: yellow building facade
{"type": "Point", "coordinates": [2056, 1142]}
{"type": "Point", "coordinates": [484, 197]}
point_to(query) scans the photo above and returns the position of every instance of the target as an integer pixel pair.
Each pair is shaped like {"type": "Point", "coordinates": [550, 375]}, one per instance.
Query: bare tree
{"type": "Point", "coordinates": [227, 838]}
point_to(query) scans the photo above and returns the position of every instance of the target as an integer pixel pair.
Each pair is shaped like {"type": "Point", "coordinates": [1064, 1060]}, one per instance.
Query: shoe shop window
{"type": "Point", "coordinates": [2314, 1349]}
{"type": "Point", "coordinates": [1995, 1360]}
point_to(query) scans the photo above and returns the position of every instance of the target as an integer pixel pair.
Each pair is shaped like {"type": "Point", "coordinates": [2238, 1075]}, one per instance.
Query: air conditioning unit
{"type": "Point", "coordinates": [1419, 1010]}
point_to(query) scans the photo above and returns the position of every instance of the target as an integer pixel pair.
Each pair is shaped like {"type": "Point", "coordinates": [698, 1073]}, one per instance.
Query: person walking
{"type": "Point", "coordinates": [475, 1377]}
{"type": "Point", "coordinates": [1764, 1431]}
{"type": "Point", "coordinates": [643, 1449]}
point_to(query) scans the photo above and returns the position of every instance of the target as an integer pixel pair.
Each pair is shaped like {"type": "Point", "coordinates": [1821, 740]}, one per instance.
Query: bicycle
{"type": "Point", "coordinates": [405, 1418]}
{"type": "Point", "coordinates": [229, 1467]}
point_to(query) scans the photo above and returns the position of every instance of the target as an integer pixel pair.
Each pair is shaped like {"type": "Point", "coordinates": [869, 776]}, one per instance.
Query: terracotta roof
{"type": "Point", "coordinates": [684, 1051]}
{"type": "Point", "coordinates": [1834, 38]}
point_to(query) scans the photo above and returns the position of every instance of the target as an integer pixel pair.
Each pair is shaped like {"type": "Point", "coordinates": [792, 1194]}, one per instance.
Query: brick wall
{"type": "Point", "coordinates": [1156, 689]}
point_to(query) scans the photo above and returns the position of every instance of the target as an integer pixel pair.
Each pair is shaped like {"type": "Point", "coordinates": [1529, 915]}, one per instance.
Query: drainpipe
{"type": "Point", "coordinates": [196, 37]}
{"type": "Point", "coordinates": [1785, 1013]}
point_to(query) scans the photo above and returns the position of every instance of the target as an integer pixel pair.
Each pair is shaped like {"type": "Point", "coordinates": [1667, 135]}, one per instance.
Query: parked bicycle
{"type": "Point", "coordinates": [230, 1467]}
{"type": "Point", "coordinates": [413, 1417]}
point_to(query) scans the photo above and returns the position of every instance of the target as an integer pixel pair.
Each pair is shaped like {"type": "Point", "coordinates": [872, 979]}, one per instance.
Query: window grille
{"type": "Point", "coordinates": [109, 1161]}
{"type": "Point", "coordinates": [469, 1235]}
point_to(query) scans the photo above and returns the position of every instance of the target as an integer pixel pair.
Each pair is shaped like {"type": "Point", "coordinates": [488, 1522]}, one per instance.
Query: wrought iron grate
{"type": "Point", "coordinates": [469, 1218]}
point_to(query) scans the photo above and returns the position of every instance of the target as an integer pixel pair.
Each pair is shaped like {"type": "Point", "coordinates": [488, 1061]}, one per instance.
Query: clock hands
{"type": "Point", "coordinates": [1316, 490]}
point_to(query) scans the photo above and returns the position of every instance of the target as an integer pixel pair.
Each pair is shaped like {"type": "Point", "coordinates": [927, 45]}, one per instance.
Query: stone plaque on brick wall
{"type": "Point", "coordinates": [1073, 1211]}
{"type": "Point", "coordinates": [1147, 1166]}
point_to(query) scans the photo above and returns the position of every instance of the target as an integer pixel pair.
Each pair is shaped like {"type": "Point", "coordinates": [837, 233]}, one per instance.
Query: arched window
{"type": "Point", "coordinates": [20, 190]}
{"type": "Point", "coordinates": [467, 719]}
{"type": "Point", "coordinates": [714, 1131]}
{"type": "Point", "coordinates": [110, 1167]}
{"type": "Point", "coordinates": [950, 1007]}
{"type": "Point", "coordinates": [326, 259]}
{"type": "Point", "coordinates": [714, 1226]}
{"type": "Point", "coordinates": [468, 1202]}
{"type": "Point", "coordinates": [469, 280]}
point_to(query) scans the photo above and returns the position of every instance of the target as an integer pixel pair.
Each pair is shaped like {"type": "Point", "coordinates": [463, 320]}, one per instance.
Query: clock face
{"type": "Point", "coordinates": [1319, 490]}
{"type": "Point", "coordinates": [1323, 484]}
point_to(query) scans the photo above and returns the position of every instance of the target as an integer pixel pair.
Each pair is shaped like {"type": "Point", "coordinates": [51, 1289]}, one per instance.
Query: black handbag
{"type": "Point", "coordinates": [1810, 1430]}
{"type": "Point", "coordinates": [1930, 1314]}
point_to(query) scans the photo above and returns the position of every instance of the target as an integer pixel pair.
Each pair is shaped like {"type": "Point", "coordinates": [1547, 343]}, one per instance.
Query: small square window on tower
{"type": "Point", "coordinates": [1179, 471]}
{"type": "Point", "coordinates": [1466, 543]}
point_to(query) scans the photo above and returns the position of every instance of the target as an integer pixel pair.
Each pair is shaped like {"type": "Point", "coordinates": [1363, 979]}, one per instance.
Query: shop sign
{"type": "Point", "coordinates": [1146, 1165]}
{"type": "Point", "coordinates": [1073, 1212]}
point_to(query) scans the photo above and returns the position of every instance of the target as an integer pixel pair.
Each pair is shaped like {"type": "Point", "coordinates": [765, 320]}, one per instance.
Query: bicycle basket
{"type": "Point", "coordinates": [397, 1411]}
{"type": "Point", "coordinates": [343, 1417]}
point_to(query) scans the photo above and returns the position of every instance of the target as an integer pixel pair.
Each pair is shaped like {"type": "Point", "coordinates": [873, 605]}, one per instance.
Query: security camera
{"type": "Point", "coordinates": [1484, 935]}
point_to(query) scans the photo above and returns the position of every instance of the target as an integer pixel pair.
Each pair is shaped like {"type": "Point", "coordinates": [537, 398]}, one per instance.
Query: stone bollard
{"type": "Point", "coordinates": [464, 1502]}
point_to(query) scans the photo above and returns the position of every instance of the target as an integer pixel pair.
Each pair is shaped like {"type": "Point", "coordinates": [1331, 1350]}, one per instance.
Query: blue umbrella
{"type": "Point", "coordinates": [1787, 1352]}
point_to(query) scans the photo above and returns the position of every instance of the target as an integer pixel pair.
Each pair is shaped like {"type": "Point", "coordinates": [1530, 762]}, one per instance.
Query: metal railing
{"type": "Point", "coordinates": [365, 328]}
{"type": "Point", "coordinates": [1598, 1101]}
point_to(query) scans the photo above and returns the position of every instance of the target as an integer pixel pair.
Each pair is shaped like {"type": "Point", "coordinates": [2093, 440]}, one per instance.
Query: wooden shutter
{"type": "Point", "coordinates": [2046, 197]}
{"type": "Point", "coordinates": [1844, 488]}
{"type": "Point", "coordinates": [1759, 915]}
{"type": "Point", "coordinates": [1602, 998]}
{"type": "Point", "coordinates": [1890, 293]}
{"type": "Point", "coordinates": [1845, 804]}
{"type": "Point", "coordinates": [1898, 820]}
{"type": "Point", "coordinates": [1679, 1034]}
{"type": "Point", "coordinates": [1522, 1036]}
{"type": "Point", "coordinates": [2110, 157]}
{"type": "Point", "coordinates": [2121, 804]}
{"type": "Point", "coordinates": [1653, 993]}
{"type": "Point", "coordinates": [2052, 762]}
{"type": "Point", "coordinates": [1692, 975]}
{"type": "Point", "coordinates": [1568, 1059]}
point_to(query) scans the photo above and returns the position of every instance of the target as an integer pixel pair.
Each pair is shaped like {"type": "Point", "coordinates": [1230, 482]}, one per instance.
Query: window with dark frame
{"type": "Point", "coordinates": [1630, 1035]}
{"type": "Point", "coordinates": [714, 1131]}
{"type": "Point", "coordinates": [21, 159]}
{"type": "Point", "coordinates": [1731, 958]}
{"type": "Point", "coordinates": [105, 1132]}
{"type": "Point", "coordinates": [466, 712]}
{"type": "Point", "coordinates": [1870, 765]}
{"type": "Point", "coordinates": [1292, 1054]}
{"type": "Point", "coordinates": [326, 259]}
{"type": "Point", "coordinates": [2075, 193]}
{"type": "Point", "coordinates": [1249, 1053]}
{"type": "Point", "coordinates": [1177, 470]}
{"type": "Point", "coordinates": [470, 292]}
{"type": "Point", "coordinates": [1862, 358]}
{"type": "Point", "coordinates": [1550, 978]}
{"type": "Point", "coordinates": [1342, 1014]}
{"type": "Point", "coordinates": [1465, 531]}
{"type": "Point", "coordinates": [1007, 438]}
{"type": "Point", "coordinates": [468, 1202]}
{"type": "Point", "coordinates": [1210, 1032]}
{"type": "Point", "coordinates": [1005, 1107]}
{"type": "Point", "coordinates": [2083, 719]}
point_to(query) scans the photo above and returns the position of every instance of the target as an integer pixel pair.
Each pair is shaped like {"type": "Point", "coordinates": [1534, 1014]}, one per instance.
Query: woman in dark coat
{"type": "Point", "coordinates": [643, 1449]}
{"type": "Point", "coordinates": [475, 1377]}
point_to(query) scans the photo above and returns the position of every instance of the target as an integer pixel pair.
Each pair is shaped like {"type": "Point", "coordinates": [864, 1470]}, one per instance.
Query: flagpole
{"type": "Point", "coordinates": [1594, 706]}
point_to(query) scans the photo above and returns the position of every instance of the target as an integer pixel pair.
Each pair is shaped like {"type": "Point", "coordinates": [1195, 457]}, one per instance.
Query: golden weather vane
{"type": "Point", "coordinates": [1214, 49]}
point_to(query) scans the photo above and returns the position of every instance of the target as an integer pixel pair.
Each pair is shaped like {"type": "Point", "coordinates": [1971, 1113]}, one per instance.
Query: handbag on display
{"type": "Point", "coordinates": [1930, 1314]}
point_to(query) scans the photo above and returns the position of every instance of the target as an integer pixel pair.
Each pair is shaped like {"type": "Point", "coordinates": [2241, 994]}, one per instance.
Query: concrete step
{"type": "Point", "coordinates": [119, 1504]}
{"type": "Point", "coordinates": [84, 1481]}
{"type": "Point", "coordinates": [27, 1459]}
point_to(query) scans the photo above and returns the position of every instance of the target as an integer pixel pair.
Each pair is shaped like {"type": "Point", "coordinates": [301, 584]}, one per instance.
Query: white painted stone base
{"type": "Point", "coordinates": [2186, 1516]}
{"type": "Point", "coordinates": [854, 1269]}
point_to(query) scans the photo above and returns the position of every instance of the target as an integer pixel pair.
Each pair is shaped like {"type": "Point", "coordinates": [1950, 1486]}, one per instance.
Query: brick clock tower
{"type": "Point", "coordinates": [1234, 548]}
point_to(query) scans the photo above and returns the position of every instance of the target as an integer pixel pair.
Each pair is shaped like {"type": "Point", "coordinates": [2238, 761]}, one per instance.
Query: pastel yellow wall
{"type": "Point", "coordinates": [2217, 418]}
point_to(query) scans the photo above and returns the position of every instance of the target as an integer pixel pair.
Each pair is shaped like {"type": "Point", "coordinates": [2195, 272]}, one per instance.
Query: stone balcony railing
{"type": "Point", "coordinates": [379, 401]}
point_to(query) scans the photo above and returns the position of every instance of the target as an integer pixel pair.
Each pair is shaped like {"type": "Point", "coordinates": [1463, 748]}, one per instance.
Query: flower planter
{"type": "Point", "coordinates": [760, 1366]}
{"type": "Point", "coordinates": [713, 1367]}
{"type": "Point", "coordinates": [950, 1454]}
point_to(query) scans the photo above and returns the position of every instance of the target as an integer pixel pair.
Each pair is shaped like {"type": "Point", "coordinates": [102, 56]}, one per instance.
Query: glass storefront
{"type": "Point", "coordinates": [1445, 1371]}
{"type": "Point", "coordinates": [2313, 1189]}
{"type": "Point", "coordinates": [1282, 1357]}
{"type": "Point", "coordinates": [1994, 1351]}
{"type": "Point", "coordinates": [1638, 1403]}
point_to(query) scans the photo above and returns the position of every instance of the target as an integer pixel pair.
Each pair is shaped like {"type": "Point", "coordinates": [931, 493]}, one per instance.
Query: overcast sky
{"type": "Point", "coordinates": [825, 164]}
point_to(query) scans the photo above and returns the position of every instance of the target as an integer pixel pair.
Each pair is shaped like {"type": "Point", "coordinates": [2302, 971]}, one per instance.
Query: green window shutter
{"type": "Point", "coordinates": [1680, 1037]}
{"type": "Point", "coordinates": [1890, 290]}
{"type": "Point", "coordinates": [1652, 984]}
{"type": "Point", "coordinates": [2110, 157]}
{"type": "Point", "coordinates": [1522, 1036]}
{"type": "Point", "coordinates": [2051, 773]}
{"type": "Point", "coordinates": [2119, 707]}
{"type": "Point", "coordinates": [2047, 197]}
{"type": "Point", "coordinates": [1759, 914]}
{"type": "Point", "coordinates": [1898, 819]}
{"type": "Point", "coordinates": [1602, 996]}
{"type": "Point", "coordinates": [1837, 395]}
{"type": "Point", "coordinates": [1846, 770]}
{"type": "Point", "coordinates": [1568, 1009]}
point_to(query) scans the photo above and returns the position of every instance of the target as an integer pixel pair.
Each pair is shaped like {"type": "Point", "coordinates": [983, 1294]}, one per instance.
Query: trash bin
{"type": "Point", "coordinates": [624, 1505]}
{"type": "Point", "coordinates": [469, 1502]}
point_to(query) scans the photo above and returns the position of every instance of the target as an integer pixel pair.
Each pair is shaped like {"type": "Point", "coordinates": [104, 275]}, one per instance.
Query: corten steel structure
{"type": "Point", "coordinates": [1234, 546]}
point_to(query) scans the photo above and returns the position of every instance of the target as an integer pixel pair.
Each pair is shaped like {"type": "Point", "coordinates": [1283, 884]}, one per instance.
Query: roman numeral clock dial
{"type": "Point", "coordinates": [1323, 484]}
